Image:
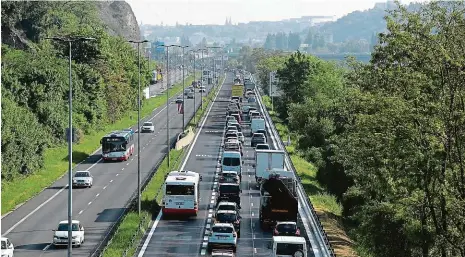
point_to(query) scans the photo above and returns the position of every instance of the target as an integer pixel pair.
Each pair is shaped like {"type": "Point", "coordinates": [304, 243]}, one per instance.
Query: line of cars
{"type": "Point", "coordinates": [278, 199]}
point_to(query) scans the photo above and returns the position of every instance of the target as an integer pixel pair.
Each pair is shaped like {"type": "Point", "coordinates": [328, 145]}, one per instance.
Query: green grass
{"type": "Point", "coordinates": [328, 209]}
{"type": "Point", "coordinates": [133, 227]}
{"type": "Point", "coordinates": [56, 159]}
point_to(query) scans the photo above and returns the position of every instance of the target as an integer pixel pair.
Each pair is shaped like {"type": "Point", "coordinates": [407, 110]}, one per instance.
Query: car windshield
{"type": "Point", "coordinates": [258, 136]}
{"type": "Point", "coordinates": [227, 207]}
{"type": "Point", "coordinates": [231, 161]}
{"type": "Point", "coordinates": [286, 228]}
{"type": "Point", "coordinates": [229, 188]}
{"type": "Point", "coordinates": [64, 227]}
{"type": "Point", "coordinates": [3, 244]}
{"type": "Point", "coordinates": [288, 249]}
{"type": "Point", "coordinates": [222, 229]}
{"type": "Point", "coordinates": [263, 147]}
{"type": "Point", "coordinates": [226, 217]}
{"type": "Point", "coordinates": [81, 174]}
{"type": "Point", "coordinates": [148, 124]}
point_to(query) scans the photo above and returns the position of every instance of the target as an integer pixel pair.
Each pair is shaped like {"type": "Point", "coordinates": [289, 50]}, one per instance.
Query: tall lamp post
{"type": "Point", "coordinates": [201, 75]}
{"type": "Point", "coordinates": [69, 41]}
{"type": "Point", "coordinates": [195, 53]}
{"type": "Point", "coordinates": [183, 86]}
{"type": "Point", "coordinates": [168, 102]}
{"type": "Point", "coordinates": [213, 47]}
{"type": "Point", "coordinates": [138, 123]}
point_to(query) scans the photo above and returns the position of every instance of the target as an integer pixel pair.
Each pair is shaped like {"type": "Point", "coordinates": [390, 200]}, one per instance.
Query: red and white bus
{"type": "Point", "coordinates": [181, 193]}
{"type": "Point", "coordinates": [118, 145]}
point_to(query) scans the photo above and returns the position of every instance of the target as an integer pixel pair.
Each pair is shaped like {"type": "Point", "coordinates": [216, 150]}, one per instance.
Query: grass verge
{"type": "Point", "coordinates": [22, 189]}
{"type": "Point", "coordinates": [326, 206]}
{"type": "Point", "coordinates": [132, 228]}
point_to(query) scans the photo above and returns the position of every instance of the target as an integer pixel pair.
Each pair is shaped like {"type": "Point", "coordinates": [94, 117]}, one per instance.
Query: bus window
{"type": "Point", "coordinates": [179, 190]}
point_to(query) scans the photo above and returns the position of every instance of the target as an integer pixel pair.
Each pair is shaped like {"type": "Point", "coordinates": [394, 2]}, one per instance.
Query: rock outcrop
{"type": "Point", "coordinates": [119, 18]}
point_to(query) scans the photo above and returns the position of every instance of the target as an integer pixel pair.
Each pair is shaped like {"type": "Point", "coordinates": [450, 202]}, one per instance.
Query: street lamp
{"type": "Point", "coordinates": [201, 75]}
{"type": "Point", "coordinates": [183, 86]}
{"type": "Point", "coordinates": [214, 68]}
{"type": "Point", "coordinates": [195, 53]}
{"type": "Point", "coordinates": [70, 40]}
{"type": "Point", "coordinates": [168, 101]}
{"type": "Point", "coordinates": [138, 124]}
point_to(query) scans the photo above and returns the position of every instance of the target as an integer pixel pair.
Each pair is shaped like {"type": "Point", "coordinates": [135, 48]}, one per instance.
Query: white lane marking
{"type": "Point", "coordinates": [89, 203]}
{"type": "Point", "coordinates": [208, 226]}
{"type": "Point", "coordinates": [34, 211]}
{"type": "Point", "coordinates": [157, 220]}
{"type": "Point", "coordinates": [255, 250]}
{"type": "Point", "coordinates": [210, 210]}
{"type": "Point", "coordinates": [117, 174]}
{"type": "Point", "coordinates": [204, 244]}
{"type": "Point", "coordinates": [104, 187]}
{"type": "Point", "coordinates": [213, 193]}
{"type": "Point", "coordinates": [127, 163]}
{"type": "Point", "coordinates": [81, 212]}
{"type": "Point", "coordinates": [203, 252]}
{"type": "Point", "coordinates": [212, 202]}
{"type": "Point", "coordinates": [210, 215]}
{"type": "Point", "coordinates": [209, 221]}
{"type": "Point", "coordinates": [46, 247]}
{"type": "Point", "coordinates": [251, 204]}
{"type": "Point", "coordinates": [122, 168]}
{"type": "Point", "coordinates": [205, 238]}
{"type": "Point", "coordinates": [111, 180]}
{"type": "Point", "coordinates": [97, 195]}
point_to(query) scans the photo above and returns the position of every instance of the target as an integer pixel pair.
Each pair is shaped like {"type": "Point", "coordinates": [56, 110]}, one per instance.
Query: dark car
{"type": "Point", "coordinates": [261, 131]}
{"type": "Point", "coordinates": [231, 217]}
{"type": "Point", "coordinates": [257, 138]}
{"type": "Point", "coordinates": [179, 99]}
{"type": "Point", "coordinates": [230, 192]}
{"type": "Point", "coordinates": [286, 228]}
{"type": "Point", "coordinates": [262, 147]}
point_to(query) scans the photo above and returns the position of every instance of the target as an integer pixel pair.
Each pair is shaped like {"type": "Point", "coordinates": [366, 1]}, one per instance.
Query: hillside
{"type": "Point", "coordinates": [34, 80]}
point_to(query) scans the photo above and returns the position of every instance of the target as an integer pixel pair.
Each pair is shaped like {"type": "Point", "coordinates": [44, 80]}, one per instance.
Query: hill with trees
{"type": "Point", "coordinates": [35, 78]}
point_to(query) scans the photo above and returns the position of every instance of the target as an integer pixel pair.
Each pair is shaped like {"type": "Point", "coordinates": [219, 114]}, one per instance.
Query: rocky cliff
{"type": "Point", "coordinates": [119, 18]}
{"type": "Point", "coordinates": [22, 22]}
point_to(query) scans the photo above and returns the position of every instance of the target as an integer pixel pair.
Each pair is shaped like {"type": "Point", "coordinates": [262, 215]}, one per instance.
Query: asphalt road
{"type": "Point", "coordinates": [189, 237]}
{"type": "Point", "coordinates": [30, 226]}
{"type": "Point", "coordinates": [156, 89]}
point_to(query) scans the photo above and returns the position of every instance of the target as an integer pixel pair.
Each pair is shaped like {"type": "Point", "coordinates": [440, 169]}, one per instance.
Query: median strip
{"type": "Point", "coordinates": [132, 228]}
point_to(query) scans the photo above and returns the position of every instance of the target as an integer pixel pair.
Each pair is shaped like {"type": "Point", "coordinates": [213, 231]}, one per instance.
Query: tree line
{"type": "Point", "coordinates": [387, 136]}
{"type": "Point", "coordinates": [35, 80]}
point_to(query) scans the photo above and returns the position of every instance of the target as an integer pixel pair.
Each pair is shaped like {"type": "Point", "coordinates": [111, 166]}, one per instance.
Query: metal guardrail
{"type": "Point", "coordinates": [320, 234]}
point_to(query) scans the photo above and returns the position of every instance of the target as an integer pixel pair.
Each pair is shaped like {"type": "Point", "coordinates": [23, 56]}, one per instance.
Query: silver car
{"type": "Point", "coordinates": [83, 179]}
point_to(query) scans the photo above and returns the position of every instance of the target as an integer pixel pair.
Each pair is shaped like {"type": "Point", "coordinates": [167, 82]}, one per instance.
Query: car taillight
{"type": "Point", "coordinates": [297, 233]}
{"type": "Point", "coordinates": [275, 232]}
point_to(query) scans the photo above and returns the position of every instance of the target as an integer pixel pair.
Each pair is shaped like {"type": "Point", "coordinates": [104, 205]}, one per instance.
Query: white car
{"type": "Point", "coordinates": [240, 136]}
{"type": "Point", "coordinates": [83, 179]}
{"type": "Point", "coordinates": [7, 248]}
{"type": "Point", "coordinates": [60, 236]}
{"type": "Point", "coordinates": [148, 127]}
{"type": "Point", "coordinates": [222, 234]}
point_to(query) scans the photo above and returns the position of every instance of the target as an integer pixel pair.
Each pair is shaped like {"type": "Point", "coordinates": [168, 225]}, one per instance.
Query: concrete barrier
{"type": "Point", "coordinates": [186, 140]}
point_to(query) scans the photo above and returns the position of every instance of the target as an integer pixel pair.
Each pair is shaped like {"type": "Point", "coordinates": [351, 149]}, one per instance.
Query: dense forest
{"type": "Point", "coordinates": [35, 79]}
{"type": "Point", "coordinates": [386, 136]}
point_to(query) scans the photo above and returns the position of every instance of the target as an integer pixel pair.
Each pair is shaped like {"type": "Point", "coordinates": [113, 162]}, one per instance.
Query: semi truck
{"type": "Point", "coordinates": [278, 201]}
{"type": "Point", "coordinates": [237, 90]}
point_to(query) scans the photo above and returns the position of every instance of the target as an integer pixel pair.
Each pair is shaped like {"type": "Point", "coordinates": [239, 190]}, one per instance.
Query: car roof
{"type": "Point", "coordinates": [223, 225]}
{"type": "Point", "coordinates": [258, 134]}
{"type": "Point", "coordinates": [227, 203]}
{"type": "Point", "coordinates": [66, 221]}
{"type": "Point", "coordinates": [81, 171]}
{"type": "Point", "coordinates": [226, 212]}
{"type": "Point", "coordinates": [263, 144]}
{"type": "Point", "coordinates": [229, 184]}
{"type": "Point", "coordinates": [286, 222]}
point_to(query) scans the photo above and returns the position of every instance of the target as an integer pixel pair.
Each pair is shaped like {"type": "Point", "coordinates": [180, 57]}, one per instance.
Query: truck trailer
{"type": "Point", "coordinates": [278, 201]}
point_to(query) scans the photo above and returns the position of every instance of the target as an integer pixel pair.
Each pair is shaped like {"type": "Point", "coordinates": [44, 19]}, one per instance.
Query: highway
{"type": "Point", "coordinates": [30, 226]}
{"type": "Point", "coordinates": [189, 237]}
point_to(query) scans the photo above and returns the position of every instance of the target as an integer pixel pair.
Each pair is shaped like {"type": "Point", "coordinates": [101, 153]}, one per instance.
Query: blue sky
{"type": "Point", "coordinates": [215, 11]}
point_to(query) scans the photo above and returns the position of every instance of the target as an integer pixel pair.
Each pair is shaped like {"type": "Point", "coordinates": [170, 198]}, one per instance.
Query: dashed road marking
{"type": "Point", "coordinates": [104, 187]}
{"type": "Point", "coordinates": [46, 247]}
{"type": "Point", "coordinates": [210, 215]}
{"type": "Point", "coordinates": [97, 195]}
{"type": "Point", "coordinates": [81, 212]}
{"type": "Point", "coordinates": [122, 169]}
{"type": "Point", "coordinates": [89, 203]}
{"type": "Point", "coordinates": [117, 174]}
{"type": "Point", "coordinates": [111, 180]}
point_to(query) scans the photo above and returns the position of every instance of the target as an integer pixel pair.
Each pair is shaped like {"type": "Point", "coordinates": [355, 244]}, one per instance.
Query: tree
{"type": "Point", "coordinates": [294, 41]}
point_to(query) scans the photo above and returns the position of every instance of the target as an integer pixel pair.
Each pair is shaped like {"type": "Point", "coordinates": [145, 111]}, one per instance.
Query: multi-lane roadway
{"type": "Point", "coordinates": [30, 226]}
{"type": "Point", "coordinates": [189, 237]}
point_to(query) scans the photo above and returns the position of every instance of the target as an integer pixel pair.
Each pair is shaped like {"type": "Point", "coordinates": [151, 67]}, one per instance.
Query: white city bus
{"type": "Point", "coordinates": [181, 193]}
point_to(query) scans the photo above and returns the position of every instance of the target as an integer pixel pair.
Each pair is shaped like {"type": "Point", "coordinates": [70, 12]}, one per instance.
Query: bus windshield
{"type": "Point", "coordinates": [179, 190]}
{"type": "Point", "coordinates": [113, 144]}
